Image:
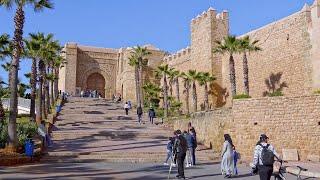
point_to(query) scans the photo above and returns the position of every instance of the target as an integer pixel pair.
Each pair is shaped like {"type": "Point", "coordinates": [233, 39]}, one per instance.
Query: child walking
{"type": "Point", "coordinates": [169, 151]}
{"type": "Point", "coordinates": [236, 156]}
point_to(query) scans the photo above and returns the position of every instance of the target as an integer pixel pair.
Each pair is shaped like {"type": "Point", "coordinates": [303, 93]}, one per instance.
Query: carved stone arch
{"type": "Point", "coordinates": [109, 83]}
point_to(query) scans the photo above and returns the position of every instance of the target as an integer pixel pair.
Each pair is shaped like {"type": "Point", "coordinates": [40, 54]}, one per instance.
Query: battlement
{"type": "Point", "coordinates": [179, 54]}
{"type": "Point", "coordinates": [224, 15]}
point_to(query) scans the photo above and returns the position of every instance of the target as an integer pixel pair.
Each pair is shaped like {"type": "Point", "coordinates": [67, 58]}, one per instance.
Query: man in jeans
{"type": "Point", "coordinates": [263, 158]}
{"type": "Point", "coordinates": [180, 149]}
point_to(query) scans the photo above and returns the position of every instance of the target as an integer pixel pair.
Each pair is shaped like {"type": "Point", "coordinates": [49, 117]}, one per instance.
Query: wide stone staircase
{"type": "Point", "coordinates": [96, 129]}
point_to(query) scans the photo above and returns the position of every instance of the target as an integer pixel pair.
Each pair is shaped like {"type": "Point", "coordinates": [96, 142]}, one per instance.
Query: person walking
{"type": "Point", "coordinates": [170, 151]}
{"type": "Point", "coordinates": [227, 163]}
{"type": "Point", "coordinates": [180, 149]}
{"type": "Point", "coordinates": [263, 158]}
{"type": "Point", "coordinates": [152, 114]}
{"type": "Point", "coordinates": [126, 108]}
{"type": "Point", "coordinates": [139, 113]}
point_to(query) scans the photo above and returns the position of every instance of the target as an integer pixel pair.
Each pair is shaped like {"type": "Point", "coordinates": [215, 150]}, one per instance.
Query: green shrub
{"type": "Point", "coordinates": [241, 96]}
{"type": "Point", "coordinates": [275, 94]}
{"type": "Point", "coordinates": [26, 130]}
{"type": "Point", "coordinates": [3, 133]}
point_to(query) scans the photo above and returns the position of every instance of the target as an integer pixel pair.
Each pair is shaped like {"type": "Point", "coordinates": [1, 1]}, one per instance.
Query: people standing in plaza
{"type": "Point", "coordinates": [263, 158]}
{"type": "Point", "coordinates": [180, 149]}
{"type": "Point", "coordinates": [194, 146]}
{"type": "Point", "coordinates": [139, 113]}
{"type": "Point", "coordinates": [188, 138]}
{"type": "Point", "coordinates": [169, 151]}
{"type": "Point", "coordinates": [126, 108]}
{"type": "Point", "coordinates": [152, 114]}
{"type": "Point", "coordinates": [236, 157]}
{"type": "Point", "coordinates": [227, 163]}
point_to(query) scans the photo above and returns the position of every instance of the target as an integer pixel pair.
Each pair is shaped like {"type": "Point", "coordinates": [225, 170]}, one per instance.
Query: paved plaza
{"type": "Point", "coordinates": [94, 140]}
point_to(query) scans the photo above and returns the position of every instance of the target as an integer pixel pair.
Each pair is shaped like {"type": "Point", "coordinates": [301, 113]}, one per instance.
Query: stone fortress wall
{"type": "Point", "coordinates": [287, 49]}
{"type": "Point", "coordinates": [290, 49]}
{"type": "Point", "coordinates": [290, 123]}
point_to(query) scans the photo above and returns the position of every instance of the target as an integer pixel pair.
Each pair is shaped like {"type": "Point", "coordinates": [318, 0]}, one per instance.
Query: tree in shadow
{"type": "Point", "coordinates": [274, 85]}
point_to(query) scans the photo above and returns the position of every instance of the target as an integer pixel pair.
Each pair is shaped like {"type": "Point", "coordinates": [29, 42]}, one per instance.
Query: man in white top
{"type": "Point", "coordinates": [263, 158]}
{"type": "Point", "coordinates": [126, 108]}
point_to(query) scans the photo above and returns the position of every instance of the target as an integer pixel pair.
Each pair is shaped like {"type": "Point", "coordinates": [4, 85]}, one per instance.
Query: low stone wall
{"type": "Point", "coordinates": [290, 122]}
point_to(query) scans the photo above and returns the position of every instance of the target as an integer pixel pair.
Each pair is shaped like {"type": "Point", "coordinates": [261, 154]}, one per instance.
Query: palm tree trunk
{"type": "Point", "coordinates": [232, 76]}
{"type": "Point", "coordinates": [44, 99]}
{"type": "Point", "coordinates": [165, 95]}
{"type": "Point", "coordinates": [206, 96]}
{"type": "Point", "coordinates": [40, 95]}
{"type": "Point", "coordinates": [33, 88]}
{"type": "Point", "coordinates": [51, 89]}
{"type": "Point", "coordinates": [140, 83]}
{"type": "Point", "coordinates": [194, 96]}
{"type": "Point", "coordinates": [13, 80]}
{"type": "Point", "coordinates": [245, 73]}
{"type": "Point", "coordinates": [187, 97]}
{"type": "Point", "coordinates": [177, 89]}
{"type": "Point", "coordinates": [56, 88]}
{"type": "Point", "coordinates": [137, 85]}
{"type": "Point", "coordinates": [171, 89]}
{"type": "Point", "coordinates": [47, 94]}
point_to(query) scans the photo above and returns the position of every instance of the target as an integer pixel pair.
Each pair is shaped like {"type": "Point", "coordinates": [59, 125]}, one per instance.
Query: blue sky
{"type": "Point", "coordinates": [121, 23]}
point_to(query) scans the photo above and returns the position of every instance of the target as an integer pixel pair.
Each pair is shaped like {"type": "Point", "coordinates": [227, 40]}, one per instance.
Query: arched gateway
{"type": "Point", "coordinates": [104, 69]}
{"type": "Point", "coordinates": [96, 82]}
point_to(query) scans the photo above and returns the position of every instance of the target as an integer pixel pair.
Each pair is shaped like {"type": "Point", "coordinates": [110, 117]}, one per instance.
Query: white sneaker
{"type": "Point", "coordinates": [166, 164]}
{"type": "Point", "coordinates": [174, 165]}
{"type": "Point", "coordinates": [187, 165]}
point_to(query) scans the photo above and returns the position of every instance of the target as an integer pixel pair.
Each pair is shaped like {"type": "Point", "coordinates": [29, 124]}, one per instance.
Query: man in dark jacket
{"type": "Point", "coordinates": [139, 113]}
{"type": "Point", "coordinates": [152, 114]}
{"type": "Point", "coordinates": [180, 149]}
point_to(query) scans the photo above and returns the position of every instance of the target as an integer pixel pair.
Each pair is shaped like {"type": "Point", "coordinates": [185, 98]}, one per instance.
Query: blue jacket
{"type": "Point", "coordinates": [169, 146]}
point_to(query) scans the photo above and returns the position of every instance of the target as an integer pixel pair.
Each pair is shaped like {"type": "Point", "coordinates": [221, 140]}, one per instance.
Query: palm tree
{"type": "Point", "coordinates": [163, 72]}
{"type": "Point", "coordinates": [59, 62]}
{"type": "Point", "coordinates": [139, 54]}
{"type": "Point", "coordinates": [134, 63]}
{"type": "Point", "coordinates": [17, 49]}
{"type": "Point", "coordinates": [246, 46]}
{"type": "Point", "coordinates": [230, 45]}
{"type": "Point", "coordinates": [194, 77]}
{"type": "Point", "coordinates": [186, 85]}
{"type": "Point", "coordinates": [32, 47]}
{"type": "Point", "coordinates": [172, 79]}
{"type": "Point", "coordinates": [151, 91]}
{"type": "Point", "coordinates": [204, 79]}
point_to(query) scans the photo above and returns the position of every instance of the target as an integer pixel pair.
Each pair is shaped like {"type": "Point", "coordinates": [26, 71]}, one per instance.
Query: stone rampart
{"type": "Point", "coordinates": [290, 122]}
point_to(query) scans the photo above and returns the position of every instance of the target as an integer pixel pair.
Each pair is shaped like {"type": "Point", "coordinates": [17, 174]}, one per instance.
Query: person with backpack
{"type": "Point", "coordinates": [227, 163]}
{"type": "Point", "coordinates": [263, 158]}
{"type": "Point", "coordinates": [179, 150]}
{"type": "Point", "coordinates": [139, 113]}
{"type": "Point", "coordinates": [126, 108]}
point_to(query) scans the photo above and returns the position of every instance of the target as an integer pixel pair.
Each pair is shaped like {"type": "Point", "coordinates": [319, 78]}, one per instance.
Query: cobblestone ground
{"type": "Point", "coordinates": [93, 139]}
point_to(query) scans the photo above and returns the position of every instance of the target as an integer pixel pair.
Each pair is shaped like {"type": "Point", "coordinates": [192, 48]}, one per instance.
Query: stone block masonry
{"type": "Point", "coordinates": [290, 123]}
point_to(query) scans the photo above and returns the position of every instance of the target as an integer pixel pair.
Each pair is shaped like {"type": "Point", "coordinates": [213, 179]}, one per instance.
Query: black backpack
{"type": "Point", "coordinates": [267, 156]}
{"type": "Point", "coordinates": [182, 144]}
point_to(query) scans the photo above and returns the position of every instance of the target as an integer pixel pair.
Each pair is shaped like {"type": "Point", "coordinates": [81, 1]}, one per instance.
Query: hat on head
{"type": "Point", "coordinates": [178, 131]}
{"type": "Point", "coordinates": [263, 136]}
